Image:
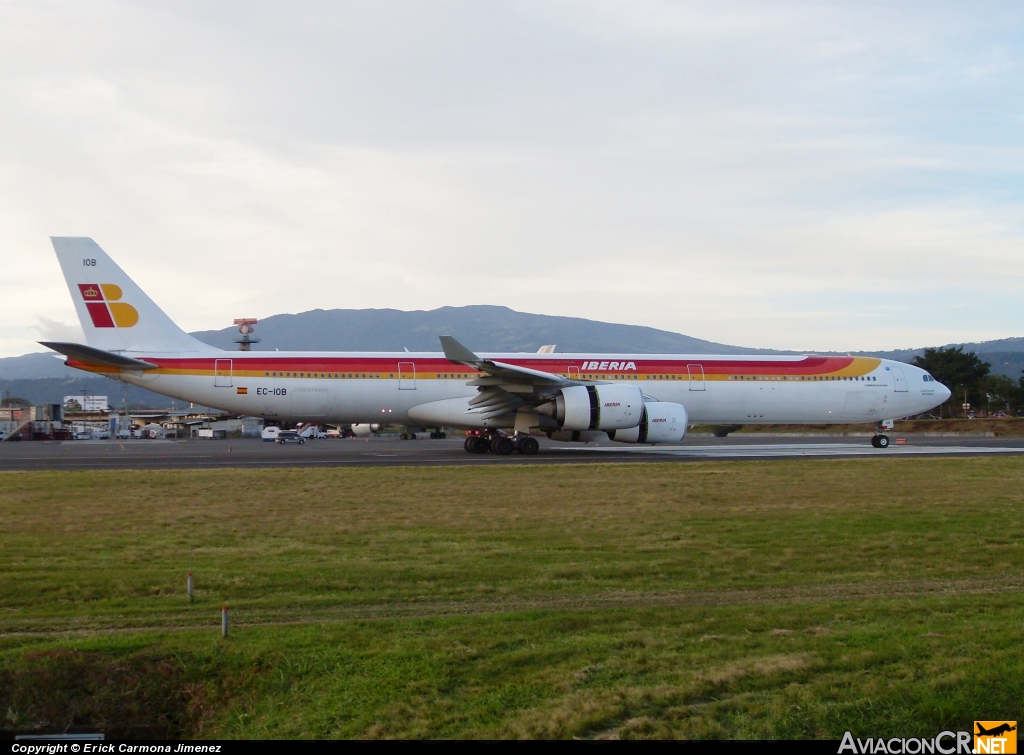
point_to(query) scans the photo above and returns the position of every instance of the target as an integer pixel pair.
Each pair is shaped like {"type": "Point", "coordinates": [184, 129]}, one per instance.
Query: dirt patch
{"type": "Point", "coordinates": [135, 697]}
{"type": "Point", "coordinates": [766, 666]}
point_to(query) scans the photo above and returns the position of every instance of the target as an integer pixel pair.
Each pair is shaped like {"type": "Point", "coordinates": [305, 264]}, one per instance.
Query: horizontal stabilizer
{"type": "Point", "coordinates": [89, 355]}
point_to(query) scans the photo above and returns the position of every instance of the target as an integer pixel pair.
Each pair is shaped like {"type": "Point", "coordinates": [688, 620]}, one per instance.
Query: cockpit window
{"type": "Point", "coordinates": [927, 378]}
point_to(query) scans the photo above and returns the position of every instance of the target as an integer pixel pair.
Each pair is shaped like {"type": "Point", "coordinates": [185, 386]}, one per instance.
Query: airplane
{"type": "Point", "coordinates": [505, 401]}
{"type": "Point", "coordinates": [995, 731]}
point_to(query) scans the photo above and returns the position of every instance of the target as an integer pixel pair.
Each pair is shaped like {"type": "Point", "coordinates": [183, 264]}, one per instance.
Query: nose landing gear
{"type": "Point", "coordinates": [880, 439]}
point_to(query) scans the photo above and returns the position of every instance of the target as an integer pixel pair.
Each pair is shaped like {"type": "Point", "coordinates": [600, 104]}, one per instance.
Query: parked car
{"type": "Point", "coordinates": [290, 436]}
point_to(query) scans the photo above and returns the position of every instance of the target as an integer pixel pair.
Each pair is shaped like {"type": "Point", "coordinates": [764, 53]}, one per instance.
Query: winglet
{"type": "Point", "coordinates": [456, 352]}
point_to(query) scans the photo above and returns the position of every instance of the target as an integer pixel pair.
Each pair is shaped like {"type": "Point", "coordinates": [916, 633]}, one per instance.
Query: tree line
{"type": "Point", "coordinates": [971, 381]}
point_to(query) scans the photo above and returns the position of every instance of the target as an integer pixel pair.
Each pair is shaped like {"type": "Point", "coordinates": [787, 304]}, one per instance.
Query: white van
{"type": "Point", "coordinates": [269, 434]}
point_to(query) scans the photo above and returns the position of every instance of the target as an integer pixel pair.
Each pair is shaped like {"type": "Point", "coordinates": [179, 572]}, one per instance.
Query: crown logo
{"type": "Point", "coordinates": [105, 309]}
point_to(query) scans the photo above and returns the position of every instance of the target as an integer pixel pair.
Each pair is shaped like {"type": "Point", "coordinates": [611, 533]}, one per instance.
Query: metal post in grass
{"type": "Point", "coordinates": [224, 621]}
{"type": "Point", "coordinates": [191, 591]}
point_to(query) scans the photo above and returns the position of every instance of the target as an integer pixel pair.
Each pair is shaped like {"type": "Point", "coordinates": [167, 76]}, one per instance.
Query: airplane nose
{"type": "Point", "coordinates": [944, 392]}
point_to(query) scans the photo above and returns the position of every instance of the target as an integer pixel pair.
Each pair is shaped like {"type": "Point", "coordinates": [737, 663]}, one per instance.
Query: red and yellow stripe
{"type": "Point", "coordinates": [808, 369]}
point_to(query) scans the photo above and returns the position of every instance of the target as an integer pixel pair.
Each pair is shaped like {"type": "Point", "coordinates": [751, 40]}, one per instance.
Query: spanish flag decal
{"type": "Point", "coordinates": [104, 308]}
{"type": "Point", "coordinates": [242, 391]}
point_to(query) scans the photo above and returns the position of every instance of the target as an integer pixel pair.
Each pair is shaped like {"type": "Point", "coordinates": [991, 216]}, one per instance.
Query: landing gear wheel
{"type": "Point", "coordinates": [528, 446]}
{"type": "Point", "coordinates": [502, 445]}
{"type": "Point", "coordinates": [478, 445]}
{"type": "Point", "coordinates": [404, 436]}
{"type": "Point", "coordinates": [468, 445]}
{"type": "Point", "coordinates": [880, 441]}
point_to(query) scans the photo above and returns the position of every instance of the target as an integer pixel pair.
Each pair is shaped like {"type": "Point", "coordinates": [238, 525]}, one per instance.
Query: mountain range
{"type": "Point", "coordinates": [43, 378]}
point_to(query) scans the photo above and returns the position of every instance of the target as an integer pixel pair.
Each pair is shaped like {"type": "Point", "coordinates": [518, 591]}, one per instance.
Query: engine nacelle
{"type": "Point", "coordinates": [364, 431]}
{"type": "Point", "coordinates": [596, 407]}
{"type": "Point", "coordinates": [662, 422]}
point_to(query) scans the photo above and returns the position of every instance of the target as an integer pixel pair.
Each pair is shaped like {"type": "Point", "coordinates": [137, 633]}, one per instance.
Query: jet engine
{"type": "Point", "coordinates": [662, 422]}
{"type": "Point", "coordinates": [364, 431]}
{"type": "Point", "coordinates": [596, 407]}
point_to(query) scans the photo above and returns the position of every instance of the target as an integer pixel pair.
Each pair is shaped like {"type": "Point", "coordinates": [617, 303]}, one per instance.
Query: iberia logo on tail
{"type": "Point", "coordinates": [104, 308]}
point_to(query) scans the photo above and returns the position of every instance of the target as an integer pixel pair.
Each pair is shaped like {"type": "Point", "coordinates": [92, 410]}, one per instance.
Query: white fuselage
{"type": "Point", "coordinates": [388, 387]}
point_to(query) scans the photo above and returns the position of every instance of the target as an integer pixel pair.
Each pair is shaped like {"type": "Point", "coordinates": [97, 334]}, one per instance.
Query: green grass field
{"type": "Point", "coordinates": [740, 599]}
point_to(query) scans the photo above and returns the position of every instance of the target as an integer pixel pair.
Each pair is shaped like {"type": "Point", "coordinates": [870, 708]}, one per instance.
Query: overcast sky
{"type": "Point", "coordinates": [789, 175]}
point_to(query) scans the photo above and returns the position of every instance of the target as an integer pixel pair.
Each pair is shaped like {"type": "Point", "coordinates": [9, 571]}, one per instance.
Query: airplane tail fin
{"type": "Point", "coordinates": [115, 313]}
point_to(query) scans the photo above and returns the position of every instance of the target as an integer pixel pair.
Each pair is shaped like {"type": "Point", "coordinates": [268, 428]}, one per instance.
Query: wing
{"type": "Point", "coordinates": [508, 376]}
{"type": "Point", "coordinates": [503, 387]}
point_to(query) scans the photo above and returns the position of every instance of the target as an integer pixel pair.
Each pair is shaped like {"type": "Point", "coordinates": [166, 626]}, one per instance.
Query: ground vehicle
{"type": "Point", "coordinates": [310, 432]}
{"type": "Point", "coordinates": [289, 436]}
{"type": "Point", "coordinates": [269, 434]}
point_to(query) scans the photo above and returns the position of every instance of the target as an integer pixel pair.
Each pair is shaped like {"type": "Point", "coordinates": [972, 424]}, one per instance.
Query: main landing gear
{"type": "Point", "coordinates": [501, 445]}
{"type": "Point", "coordinates": [880, 441]}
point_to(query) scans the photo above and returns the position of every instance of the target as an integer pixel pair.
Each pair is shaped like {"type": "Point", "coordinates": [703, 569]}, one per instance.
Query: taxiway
{"type": "Point", "coordinates": [390, 451]}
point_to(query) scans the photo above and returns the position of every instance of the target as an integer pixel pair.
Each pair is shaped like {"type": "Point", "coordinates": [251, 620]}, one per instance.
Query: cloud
{"type": "Point", "coordinates": [833, 176]}
{"type": "Point", "coordinates": [51, 330]}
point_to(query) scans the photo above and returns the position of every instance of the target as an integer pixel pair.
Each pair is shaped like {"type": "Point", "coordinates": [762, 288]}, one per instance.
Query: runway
{"type": "Point", "coordinates": [390, 451]}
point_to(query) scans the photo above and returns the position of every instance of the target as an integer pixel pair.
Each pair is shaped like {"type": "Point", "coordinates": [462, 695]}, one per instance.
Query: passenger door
{"type": "Point", "coordinates": [406, 376]}
{"type": "Point", "coordinates": [696, 374]}
{"type": "Point", "coordinates": [222, 373]}
{"type": "Point", "coordinates": [899, 380]}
